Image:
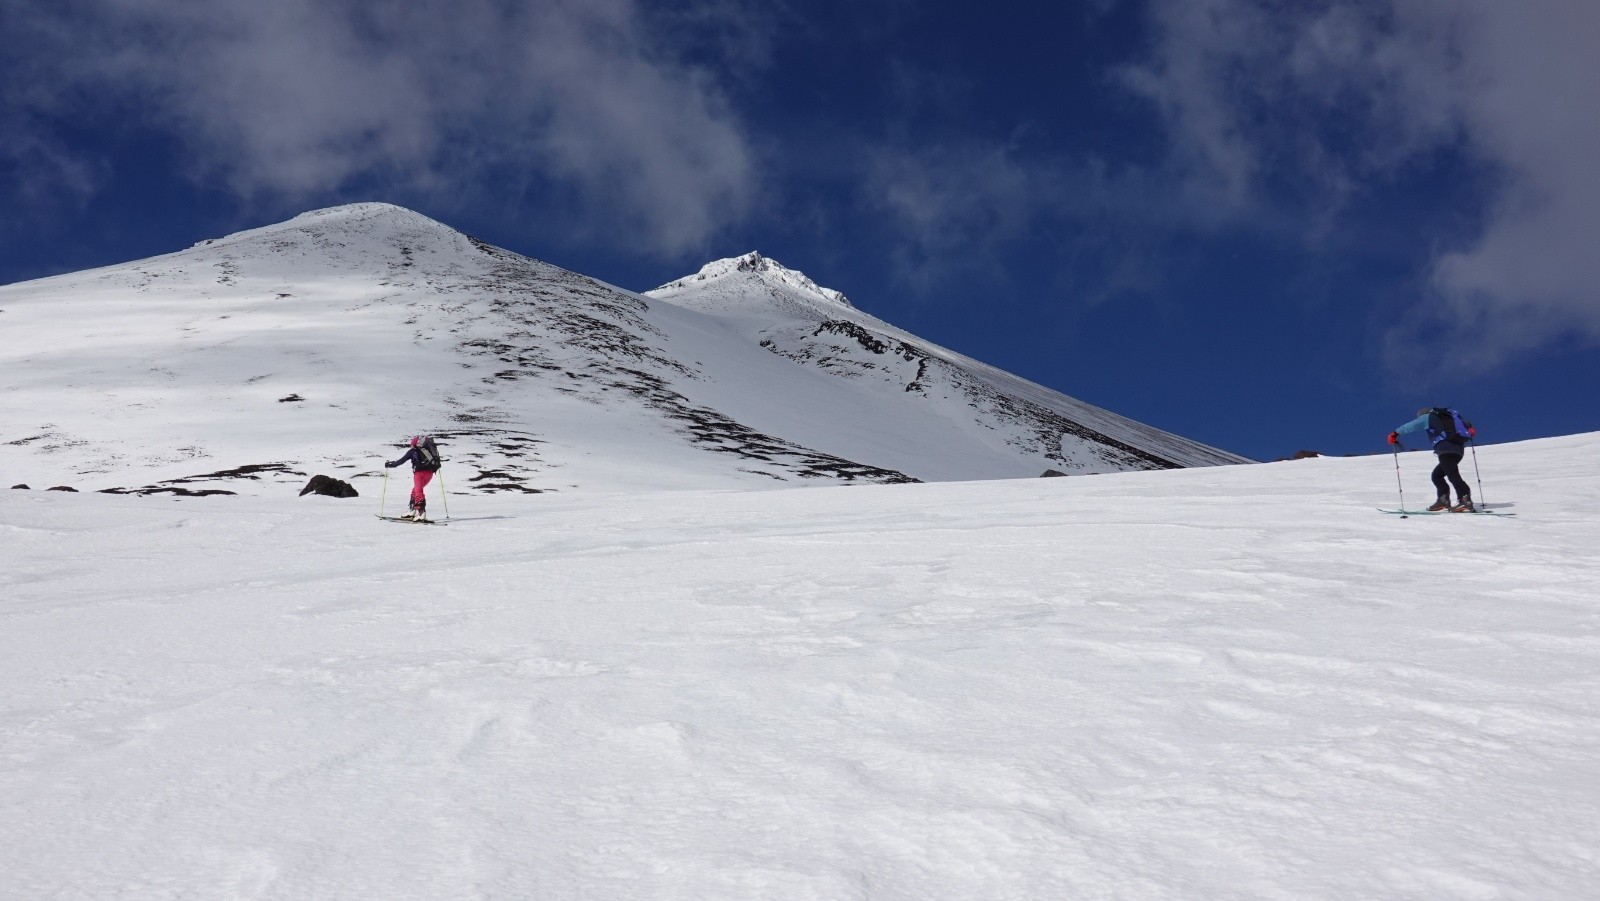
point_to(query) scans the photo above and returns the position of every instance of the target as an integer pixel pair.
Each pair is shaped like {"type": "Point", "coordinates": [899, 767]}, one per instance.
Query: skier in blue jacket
{"type": "Point", "coordinates": [1449, 434]}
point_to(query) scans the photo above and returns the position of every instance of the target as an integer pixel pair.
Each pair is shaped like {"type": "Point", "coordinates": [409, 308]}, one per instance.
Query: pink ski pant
{"type": "Point", "coordinates": [419, 480]}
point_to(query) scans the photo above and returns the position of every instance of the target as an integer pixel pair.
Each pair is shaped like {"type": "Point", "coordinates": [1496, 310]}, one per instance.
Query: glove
{"type": "Point", "coordinates": [1394, 438]}
{"type": "Point", "coordinates": [1472, 432]}
{"type": "Point", "coordinates": [389, 464]}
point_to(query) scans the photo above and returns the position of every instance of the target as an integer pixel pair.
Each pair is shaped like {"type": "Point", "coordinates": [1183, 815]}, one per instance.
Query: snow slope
{"type": "Point", "coordinates": [929, 409]}
{"type": "Point", "coordinates": [1232, 682]}
{"type": "Point", "coordinates": [248, 363]}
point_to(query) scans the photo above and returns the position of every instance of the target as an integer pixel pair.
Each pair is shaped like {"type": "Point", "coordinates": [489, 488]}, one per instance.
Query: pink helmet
{"type": "Point", "coordinates": [414, 439]}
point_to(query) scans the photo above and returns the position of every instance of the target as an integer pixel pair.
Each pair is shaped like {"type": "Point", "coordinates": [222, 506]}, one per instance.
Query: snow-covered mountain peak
{"type": "Point", "coordinates": [377, 242]}
{"type": "Point", "coordinates": [369, 220]}
{"type": "Point", "coordinates": [732, 279]}
{"type": "Point", "coordinates": [295, 349]}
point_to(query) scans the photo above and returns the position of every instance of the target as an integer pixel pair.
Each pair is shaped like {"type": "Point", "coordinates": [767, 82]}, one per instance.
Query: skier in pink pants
{"type": "Point", "coordinates": [425, 461]}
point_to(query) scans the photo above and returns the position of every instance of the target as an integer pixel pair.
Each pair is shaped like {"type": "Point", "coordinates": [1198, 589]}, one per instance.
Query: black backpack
{"type": "Point", "coordinates": [1455, 428]}
{"type": "Point", "coordinates": [428, 459]}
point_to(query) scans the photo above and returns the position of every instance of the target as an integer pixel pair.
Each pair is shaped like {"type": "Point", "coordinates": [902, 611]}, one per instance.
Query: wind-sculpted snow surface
{"type": "Point", "coordinates": [244, 364]}
{"type": "Point", "coordinates": [1235, 682]}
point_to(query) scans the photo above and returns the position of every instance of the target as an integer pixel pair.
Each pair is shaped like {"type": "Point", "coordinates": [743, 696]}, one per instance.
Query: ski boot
{"type": "Point", "coordinates": [1464, 505]}
{"type": "Point", "coordinates": [1442, 504]}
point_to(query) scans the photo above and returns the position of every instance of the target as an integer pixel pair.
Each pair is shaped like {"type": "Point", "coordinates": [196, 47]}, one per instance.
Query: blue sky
{"type": "Point", "coordinates": [1268, 226]}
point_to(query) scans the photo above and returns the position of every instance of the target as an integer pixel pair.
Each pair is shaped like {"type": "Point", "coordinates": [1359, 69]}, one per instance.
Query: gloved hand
{"type": "Point", "coordinates": [1472, 432]}
{"type": "Point", "coordinates": [1394, 438]}
{"type": "Point", "coordinates": [389, 464]}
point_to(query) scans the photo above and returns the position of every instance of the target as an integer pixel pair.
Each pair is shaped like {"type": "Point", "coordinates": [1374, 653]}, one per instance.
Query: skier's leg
{"type": "Point", "coordinates": [1450, 470]}
{"type": "Point", "coordinates": [418, 480]}
{"type": "Point", "coordinates": [1451, 464]}
{"type": "Point", "coordinates": [1440, 486]}
{"type": "Point", "coordinates": [419, 498]}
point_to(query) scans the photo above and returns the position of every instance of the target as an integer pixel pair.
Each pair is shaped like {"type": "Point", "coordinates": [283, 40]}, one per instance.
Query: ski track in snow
{"type": "Point", "coordinates": [1228, 683]}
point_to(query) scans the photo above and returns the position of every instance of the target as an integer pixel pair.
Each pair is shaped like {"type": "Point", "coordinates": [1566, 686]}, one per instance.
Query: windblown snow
{"type": "Point", "coordinates": [1229, 682]}
{"type": "Point", "coordinates": [314, 346]}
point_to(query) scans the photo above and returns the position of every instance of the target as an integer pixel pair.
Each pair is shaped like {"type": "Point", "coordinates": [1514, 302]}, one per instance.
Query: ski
{"type": "Point", "coordinates": [1445, 513]}
{"type": "Point", "coordinates": [415, 522]}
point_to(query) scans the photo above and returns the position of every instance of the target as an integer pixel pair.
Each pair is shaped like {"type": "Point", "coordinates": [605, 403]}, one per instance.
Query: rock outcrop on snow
{"type": "Point", "coordinates": [328, 486]}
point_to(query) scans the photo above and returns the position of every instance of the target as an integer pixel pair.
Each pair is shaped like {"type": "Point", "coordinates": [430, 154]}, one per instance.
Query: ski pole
{"type": "Point", "coordinates": [384, 497]}
{"type": "Point", "coordinates": [1476, 474]}
{"type": "Point", "coordinates": [1397, 478]}
{"type": "Point", "coordinates": [444, 495]}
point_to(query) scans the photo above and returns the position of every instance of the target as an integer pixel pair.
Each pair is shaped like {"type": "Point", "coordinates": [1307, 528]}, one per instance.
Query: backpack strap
{"type": "Point", "coordinates": [1451, 426]}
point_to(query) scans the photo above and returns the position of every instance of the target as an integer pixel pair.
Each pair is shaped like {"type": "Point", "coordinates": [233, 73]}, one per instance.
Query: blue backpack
{"type": "Point", "coordinates": [1455, 428]}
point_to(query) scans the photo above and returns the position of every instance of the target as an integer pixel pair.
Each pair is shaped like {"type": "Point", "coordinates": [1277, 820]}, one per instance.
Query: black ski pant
{"type": "Point", "coordinates": [1448, 468]}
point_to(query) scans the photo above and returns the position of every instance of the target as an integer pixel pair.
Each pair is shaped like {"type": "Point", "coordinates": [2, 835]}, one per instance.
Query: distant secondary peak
{"type": "Point", "coordinates": [763, 268]}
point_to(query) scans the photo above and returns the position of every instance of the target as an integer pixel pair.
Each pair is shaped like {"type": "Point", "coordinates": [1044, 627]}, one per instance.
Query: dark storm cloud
{"type": "Point", "coordinates": [296, 97]}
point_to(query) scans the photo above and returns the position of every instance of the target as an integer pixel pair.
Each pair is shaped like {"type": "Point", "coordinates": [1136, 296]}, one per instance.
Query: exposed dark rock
{"type": "Point", "coordinates": [329, 486]}
{"type": "Point", "coordinates": [19, 486]}
{"type": "Point", "coordinates": [849, 329]}
{"type": "Point", "coordinates": [717, 433]}
{"type": "Point", "coordinates": [291, 399]}
{"type": "Point", "coordinates": [63, 488]}
{"type": "Point", "coordinates": [1051, 474]}
{"type": "Point", "coordinates": [252, 471]}
{"type": "Point", "coordinates": [922, 372]}
{"type": "Point", "coordinates": [168, 489]}
{"type": "Point", "coordinates": [248, 471]}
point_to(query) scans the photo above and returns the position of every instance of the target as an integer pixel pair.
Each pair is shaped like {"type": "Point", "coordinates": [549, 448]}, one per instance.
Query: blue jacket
{"type": "Point", "coordinates": [1437, 427]}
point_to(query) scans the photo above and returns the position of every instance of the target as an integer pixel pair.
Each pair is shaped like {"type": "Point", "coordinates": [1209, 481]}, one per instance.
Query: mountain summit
{"type": "Point", "coordinates": [317, 344]}
{"type": "Point", "coordinates": [723, 284]}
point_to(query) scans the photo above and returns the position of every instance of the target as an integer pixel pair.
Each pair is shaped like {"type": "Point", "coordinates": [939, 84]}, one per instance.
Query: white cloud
{"type": "Point", "coordinates": [296, 97]}
{"type": "Point", "coordinates": [1344, 96]}
{"type": "Point", "coordinates": [1194, 83]}
{"type": "Point", "coordinates": [1534, 272]}
{"type": "Point", "coordinates": [948, 204]}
